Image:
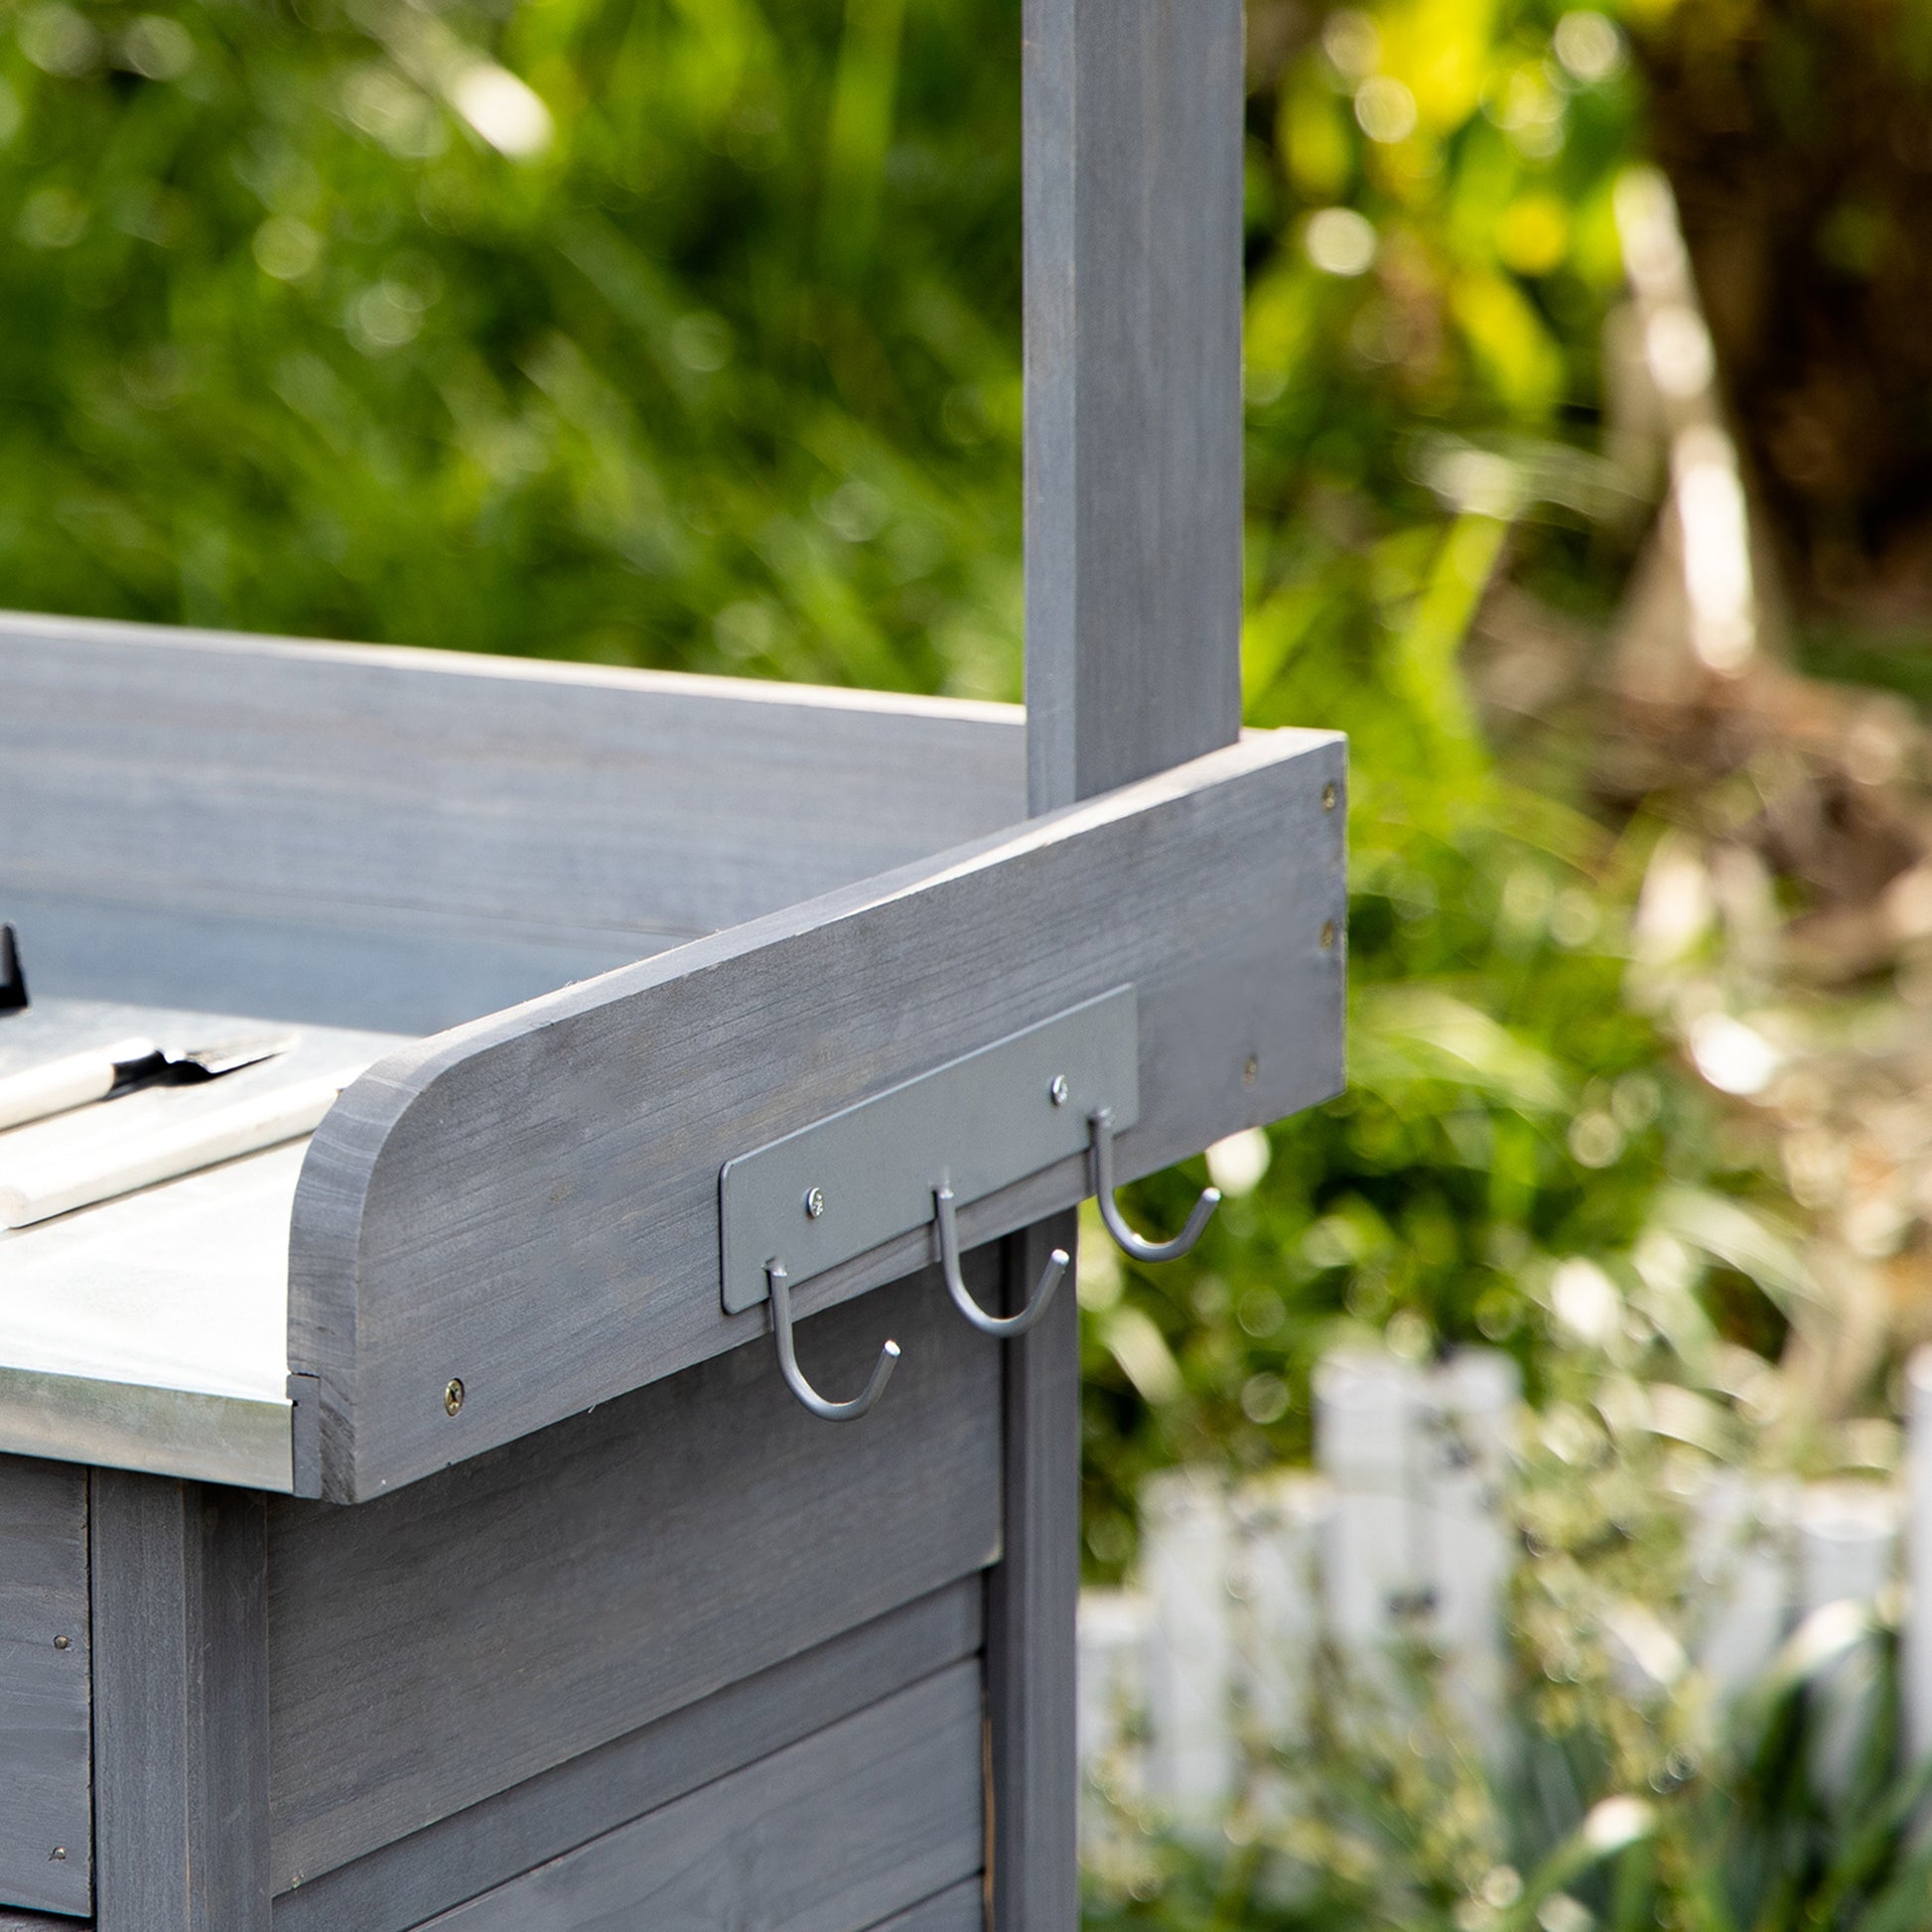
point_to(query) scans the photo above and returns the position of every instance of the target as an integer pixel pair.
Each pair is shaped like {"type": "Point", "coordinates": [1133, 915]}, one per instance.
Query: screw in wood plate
{"type": "Point", "coordinates": [62, 1643]}
{"type": "Point", "coordinates": [814, 1203]}
{"type": "Point", "coordinates": [451, 1396]}
{"type": "Point", "coordinates": [59, 1855]}
{"type": "Point", "coordinates": [1250, 1071]}
{"type": "Point", "coordinates": [1058, 1091]}
{"type": "Point", "coordinates": [1329, 797]}
{"type": "Point", "coordinates": [1327, 935]}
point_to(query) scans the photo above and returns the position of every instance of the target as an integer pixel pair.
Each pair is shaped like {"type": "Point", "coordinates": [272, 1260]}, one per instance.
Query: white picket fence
{"type": "Point", "coordinates": [1398, 1544]}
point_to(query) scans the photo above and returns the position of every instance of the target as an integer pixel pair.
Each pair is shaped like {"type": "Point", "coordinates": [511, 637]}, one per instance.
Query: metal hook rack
{"type": "Point", "coordinates": [887, 1179]}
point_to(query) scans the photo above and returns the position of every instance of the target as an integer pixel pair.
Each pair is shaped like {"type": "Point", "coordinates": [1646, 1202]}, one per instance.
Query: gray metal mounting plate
{"type": "Point", "coordinates": [977, 1124]}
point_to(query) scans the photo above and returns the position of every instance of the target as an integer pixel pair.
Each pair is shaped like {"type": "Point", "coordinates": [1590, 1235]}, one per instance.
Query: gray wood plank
{"type": "Point", "coordinates": [830, 1835]}
{"type": "Point", "coordinates": [338, 789]}
{"type": "Point", "coordinates": [323, 964]}
{"type": "Point", "coordinates": [1134, 415]}
{"type": "Point", "coordinates": [46, 1773]}
{"type": "Point", "coordinates": [1032, 1598]}
{"type": "Point", "coordinates": [496, 1840]}
{"type": "Point", "coordinates": [531, 1205]}
{"type": "Point", "coordinates": [959, 1909]}
{"type": "Point", "coordinates": [435, 1647]}
{"type": "Point", "coordinates": [41, 1922]}
{"type": "Point", "coordinates": [1134, 283]}
{"type": "Point", "coordinates": [181, 1707]}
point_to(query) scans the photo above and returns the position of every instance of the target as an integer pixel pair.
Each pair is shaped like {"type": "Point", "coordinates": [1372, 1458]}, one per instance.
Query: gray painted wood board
{"type": "Point", "coordinates": [181, 1706]}
{"type": "Point", "coordinates": [1030, 1601]}
{"type": "Point", "coordinates": [45, 1769]}
{"type": "Point", "coordinates": [830, 1835]}
{"type": "Point", "coordinates": [331, 788]}
{"type": "Point", "coordinates": [530, 1205]}
{"type": "Point", "coordinates": [537, 1821]}
{"type": "Point", "coordinates": [1134, 415]}
{"type": "Point", "coordinates": [432, 1648]}
{"type": "Point", "coordinates": [959, 1909]}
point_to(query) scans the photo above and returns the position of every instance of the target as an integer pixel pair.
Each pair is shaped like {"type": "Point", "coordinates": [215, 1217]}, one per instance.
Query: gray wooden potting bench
{"type": "Point", "coordinates": [413, 1524]}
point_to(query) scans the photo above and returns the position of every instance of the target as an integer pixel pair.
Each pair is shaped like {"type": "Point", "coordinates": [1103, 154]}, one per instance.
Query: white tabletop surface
{"type": "Point", "coordinates": [152, 1331]}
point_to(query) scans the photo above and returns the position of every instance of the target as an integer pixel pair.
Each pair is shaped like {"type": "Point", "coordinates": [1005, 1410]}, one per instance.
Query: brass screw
{"type": "Point", "coordinates": [60, 1643]}
{"type": "Point", "coordinates": [1327, 935]}
{"type": "Point", "coordinates": [1329, 797]}
{"type": "Point", "coordinates": [451, 1396]}
{"type": "Point", "coordinates": [1250, 1071]}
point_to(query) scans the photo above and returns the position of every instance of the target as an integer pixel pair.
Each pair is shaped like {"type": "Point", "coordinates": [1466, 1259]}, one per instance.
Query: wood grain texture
{"type": "Point", "coordinates": [11, 1921]}
{"type": "Point", "coordinates": [959, 1909]}
{"type": "Point", "coordinates": [317, 964]}
{"type": "Point", "coordinates": [831, 1834]}
{"type": "Point", "coordinates": [1031, 1596]}
{"type": "Point", "coordinates": [433, 1648]}
{"type": "Point", "coordinates": [181, 1706]}
{"type": "Point", "coordinates": [553, 1813]}
{"type": "Point", "coordinates": [336, 792]}
{"type": "Point", "coordinates": [530, 1205]}
{"type": "Point", "coordinates": [1134, 288]}
{"type": "Point", "coordinates": [45, 1769]}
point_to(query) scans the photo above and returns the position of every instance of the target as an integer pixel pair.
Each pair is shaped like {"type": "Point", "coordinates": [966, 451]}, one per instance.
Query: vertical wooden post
{"type": "Point", "coordinates": [1134, 285]}
{"type": "Point", "coordinates": [181, 1706]}
{"type": "Point", "coordinates": [1133, 271]}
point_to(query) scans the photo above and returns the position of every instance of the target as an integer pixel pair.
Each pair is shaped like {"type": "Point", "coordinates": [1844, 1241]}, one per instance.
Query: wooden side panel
{"type": "Point", "coordinates": [435, 1647]}
{"type": "Point", "coordinates": [531, 1205]}
{"type": "Point", "coordinates": [832, 1835]}
{"type": "Point", "coordinates": [1134, 283]}
{"type": "Point", "coordinates": [959, 1909]}
{"type": "Point", "coordinates": [181, 1706]}
{"type": "Point", "coordinates": [427, 797]}
{"type": "Point", "coordinates": [497, 1840]}
{"type": "Point", "coordinates": [46, 1773]}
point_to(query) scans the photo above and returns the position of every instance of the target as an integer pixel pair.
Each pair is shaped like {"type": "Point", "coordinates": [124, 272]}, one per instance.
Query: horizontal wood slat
{"type": "Point", "coordinates": [502, 1837]}
{"type": "Point", "coordinates": [531, 1204]}
{"type": "Point", "coordinates": [383, 801]}
{"type": "Point", "coordinates": [959, 1909]}
{"type": "Point", "coordinates": [830, 1835]}
{"type": "Point", "coordinates": [433, 1648]}
{"type": "Point", "coordinates": [45, 1667]}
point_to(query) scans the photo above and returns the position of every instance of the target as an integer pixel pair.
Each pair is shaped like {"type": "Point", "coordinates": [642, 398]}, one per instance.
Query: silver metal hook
{"type": "Point", "coordinates": [779, 1283]}
{"type": "Point", "coordinates": [1102, 1120]}
{"type": "Point", "coordinates": [1009, 1326]}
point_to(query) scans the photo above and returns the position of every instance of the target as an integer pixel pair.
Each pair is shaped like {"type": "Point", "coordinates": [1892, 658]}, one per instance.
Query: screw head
{"type": "Point", "coordinates": [814, 1203]}
{"type": "Point", "coordinates": [1329, 797]}
{"type": "Point", "coordinates": [1327, 935]}
{"type": "Point", "coordinates": [63, 1643]}
{"type": "Point", "coordinates": [1058, 1091]}
{"type": "Point", "coordinates": [1250, 1071]}
{"type": "Point", "coordinates": [59, 1855]}
{"type": "Point", "coordinates": [451, 1396]}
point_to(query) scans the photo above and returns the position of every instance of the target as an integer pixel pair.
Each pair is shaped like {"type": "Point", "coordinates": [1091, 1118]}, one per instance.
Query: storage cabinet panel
{"type": "Point", "coordinates": [831, 1834]}
{"type": "Point", "coordinates": [493, 1842]}
{"type": "Point", "coordinates": [434, 1647]}
{"type": "Point", "coordinates": [959, 1909]}
{"type": "Point", "coordinates": [46, 1779]}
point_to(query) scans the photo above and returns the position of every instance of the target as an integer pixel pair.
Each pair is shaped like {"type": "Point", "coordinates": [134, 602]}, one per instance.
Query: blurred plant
{"type": "Point", "coordinates": [565, 328]}
{"type": "Point", "coordinates": [1630, 1797]}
